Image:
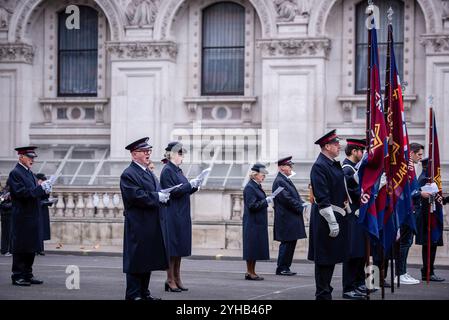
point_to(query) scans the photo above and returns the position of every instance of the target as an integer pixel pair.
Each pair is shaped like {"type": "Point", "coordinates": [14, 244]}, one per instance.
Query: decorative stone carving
{"type": "Point", "coordinates": [16, 53]}
{"type": "Point", "coordinates": [21, 25]}
{"type": "Point", "coordinates": [445, 7]}
{"type": "Point", "coordinates": [143, 50]}
{"type": "Point", "coordinates": [436, 44]}
{"type": "Point", "coordinates": [142, 12]}
{"type": "Point", "coordinates": [168, 10]}
{"type": "Point", "coordinates": [295, 47]}
{"type": "Point", "coordinates": [287, 10]}
{"type": "Point", "coordinates": [6, 10]}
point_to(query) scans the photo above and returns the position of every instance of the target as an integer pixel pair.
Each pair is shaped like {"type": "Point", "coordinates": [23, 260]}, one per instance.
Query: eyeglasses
{"type": "Point", "coordinates": [144, 151]}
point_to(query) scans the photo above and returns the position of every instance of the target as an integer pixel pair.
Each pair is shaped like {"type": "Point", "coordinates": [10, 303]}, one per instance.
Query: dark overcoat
{"type": "Point", "coordinates": [46, 235]}
{"type": "Point", "coordinates": [179, 221]}
{"type": "Point", "coordinates": [422, 216]}
{"type": "Point", "coordinates": [255, 223]}
{"type": "Point", "coordinates": [288, 209]}
{"type": "Point", "coordinates": [356, 234]}
{"type": "Point", "coordinates": [327, 179]}
{"type": "Point", "coordinates": [26, 196]}
{"type": "Point", "coordinates": [144, 245]}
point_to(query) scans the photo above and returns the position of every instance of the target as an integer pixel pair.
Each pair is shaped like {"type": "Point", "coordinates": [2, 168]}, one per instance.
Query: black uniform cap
{"type": "Point", "coordinates": [139, 144]}
{"type": "Point", "coordinates": [356, 142]}
{"type": "Point", "coordinates": [27, 151]}
{"type": "Point", "coordinates": [287, 161]}
{"type": "Point", "coordinates": [329, 137]}
{"type": "Point", "coordinates": [176, 146]}
{"type": "Point", "coordinates": [258, 167]}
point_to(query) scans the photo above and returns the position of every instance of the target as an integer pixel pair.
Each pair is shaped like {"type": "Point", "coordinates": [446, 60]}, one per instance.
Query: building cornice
{"type": "Point", "coordinates": [136, 50]}
{"type": "Point", "coordinates": [303, 47]}
{"type": "Point", "coordinates": [18, 52]}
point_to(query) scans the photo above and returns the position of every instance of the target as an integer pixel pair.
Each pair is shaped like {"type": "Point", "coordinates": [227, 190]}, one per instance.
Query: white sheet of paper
{"type": "Point", "coordinates": [53, 179]}
{"type": "Point", "coordinates": [430, 188]}
{"type": "Point", "coordinates": [168, 190]}
{"type": "Point", "coordinates": [277, 191]}
{"type": "Point", "coordinates": [204, 174]}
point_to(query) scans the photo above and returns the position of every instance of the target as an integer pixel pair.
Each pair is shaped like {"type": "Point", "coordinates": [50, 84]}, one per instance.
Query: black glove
{"type": "Point", "coordinates": [445, 200]}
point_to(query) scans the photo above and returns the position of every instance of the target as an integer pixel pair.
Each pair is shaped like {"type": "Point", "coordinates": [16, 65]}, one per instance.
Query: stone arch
{"type": "Point", "coordinates": [264, 8]}
{"type": "Point", "coordinates": [319, 17]}
{"type": "Point", "coordinates": [25, 10]}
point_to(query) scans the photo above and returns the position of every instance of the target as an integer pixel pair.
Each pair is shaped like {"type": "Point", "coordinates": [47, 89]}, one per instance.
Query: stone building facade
{"type": "Point", "coordinates": [148, 68]}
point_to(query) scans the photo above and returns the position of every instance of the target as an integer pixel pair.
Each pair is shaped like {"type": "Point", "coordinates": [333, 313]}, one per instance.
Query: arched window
{"type": "Point", "coordinates": [382, 38]}
{"type": "Point", "coordinates": [77, 54]}
{"type": "Point", "coordinates": [223, 46]}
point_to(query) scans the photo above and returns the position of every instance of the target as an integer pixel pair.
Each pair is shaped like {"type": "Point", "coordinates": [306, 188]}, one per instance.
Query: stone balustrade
{"type": "Point", "coordinates": [94, 215]}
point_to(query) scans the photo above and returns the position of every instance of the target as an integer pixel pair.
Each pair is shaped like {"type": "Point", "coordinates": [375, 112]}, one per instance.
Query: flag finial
{"type": "Point", "coordinates": [390, 13]}
{"type": "Point", "coordinates": [431, 100]}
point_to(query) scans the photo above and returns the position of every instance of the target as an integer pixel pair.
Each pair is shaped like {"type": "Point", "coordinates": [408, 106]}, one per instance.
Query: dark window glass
{"type": "Point", "coordinates": [77, 55]}
{"type": "Point", "coordinates": [223, 49]}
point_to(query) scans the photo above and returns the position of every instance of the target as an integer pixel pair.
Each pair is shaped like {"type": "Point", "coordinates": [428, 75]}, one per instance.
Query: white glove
{"type": "Point", "coordinates": [329, 215]}
{"type": "Point", "coordinates": [163, 197]}
{"type": "Point", "coordinates": [269, 199]}
{"type": "Point", "coordinates": [383, 180]}
{"type": "Point", "coordinates": [47, 186]}
{"type": "Point", "coordinates": [195, 183]}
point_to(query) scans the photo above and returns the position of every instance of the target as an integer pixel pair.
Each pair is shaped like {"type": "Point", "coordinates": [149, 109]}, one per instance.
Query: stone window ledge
{"type": "Point", "coordinates": [221, 108]}
{"type": "Point", "coordinates": [73, 110]}
{"type": "Point", "coordinates": [350, 104]}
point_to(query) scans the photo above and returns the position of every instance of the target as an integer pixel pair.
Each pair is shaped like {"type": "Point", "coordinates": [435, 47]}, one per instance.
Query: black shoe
{"type": "Point", "coordinates": [35, 281]}
{"type": "Point", "coordinates": [41, 253]}
{"type": "Point", "coordinates": [21, 282]}
{"type": "Point", "coordinates": [134, 299]}
{"type": "Point", "coordinates": [433, 278]}
{"type": "Point", "coordinates": [353, 295]}
{"type": "Point", "coordinates": [285, 273]}
{"type": "Point", "coordinates": [170, 289]}
{"type": "Point", "coordinates": [182, 288]}
{"type": "Point", "coordinates": [250, 277]}
{"type": "Point", "coordinates": [148, 296]}
{"type": "Point", "coordinates": [387, 284]}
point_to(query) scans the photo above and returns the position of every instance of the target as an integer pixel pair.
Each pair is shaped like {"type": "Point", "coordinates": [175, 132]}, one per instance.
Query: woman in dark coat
{"type": "Point", "coordinates": [255, 222]}
{"type": "Point", "coordinates": [179, 222]}
{"type": "Point", "coordinates": [45, 219]}
{"type": "Point", "coordinates": [421, 228]}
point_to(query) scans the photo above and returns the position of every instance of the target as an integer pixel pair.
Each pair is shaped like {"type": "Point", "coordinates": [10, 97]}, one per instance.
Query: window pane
{"type": "Point", "coordinates": [222, 66]}
{"type": "Point", "coordinates": [223, 49]}
{"type": "Point", "coordinates": [77, 53]}
{"type": "Point", "coordinates": [382, 38]}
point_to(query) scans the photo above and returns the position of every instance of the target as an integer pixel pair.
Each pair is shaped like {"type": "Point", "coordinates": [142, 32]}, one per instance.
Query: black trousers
{"type": "Point", "coordinates": [323, 278]}
{"type": "Point", "coordinates": [353, 274]}
{"type": "Point", "coordinates": [405, 244]}
{"type": "Point", "coordinates": [285, 257]}
{"type": "Point", "coordinates": [433, 253]}
{"type": "Point", "coordinates": [6, 233]}
{"type": "Point", "coordinates": [137, 285]}
{"type": "Point", "coordinates": [22, 266]}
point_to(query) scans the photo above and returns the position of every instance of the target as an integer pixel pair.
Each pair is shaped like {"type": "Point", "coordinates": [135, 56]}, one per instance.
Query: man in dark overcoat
{"type": "Point", "coordinates": [26, 195]}
{"type": "Point", "coordinates": [354, 266]}
{"type": "Point", "coordinates": [328, 244]}
{"type": "Point", "coordinates": [145, 243]}
{"type": "Point", "coordinates": [288, 218]}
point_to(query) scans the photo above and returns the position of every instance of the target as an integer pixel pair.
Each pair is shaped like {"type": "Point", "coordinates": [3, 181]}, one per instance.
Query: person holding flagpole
{"type": "Point", "coordinates": [430, 220]}
{"type": "Point", "coordinates": [328, 234]}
